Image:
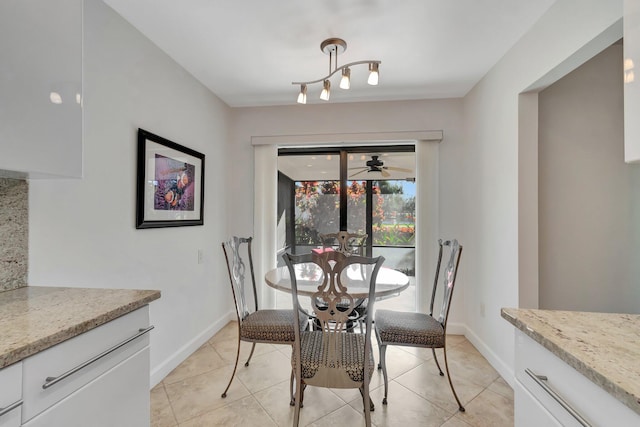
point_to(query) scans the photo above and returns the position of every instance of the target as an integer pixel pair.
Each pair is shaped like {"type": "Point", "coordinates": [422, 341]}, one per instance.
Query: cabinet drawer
{"type": "Point", "coordinates": [529, 412]}
{"type": "Point", "coordinates": [55, 373]}
{"type": "Point", "coordinates": [120, 397]}
{"type": "Point", "coordinates": [10, 395]}
{"type": "Point", "coordinates": [593, 403]}
{"type": "Point", "coordinates": [11, 381]}
{"type": "Point", "coordinates": [11, 418]}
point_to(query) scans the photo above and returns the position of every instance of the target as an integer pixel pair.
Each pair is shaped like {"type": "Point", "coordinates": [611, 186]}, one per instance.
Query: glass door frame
{"type": "Point", "coordinates": [344, 152]}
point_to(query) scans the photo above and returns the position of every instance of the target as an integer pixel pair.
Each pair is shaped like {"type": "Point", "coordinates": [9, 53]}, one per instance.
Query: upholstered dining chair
{"type": "Point", "coordinates": [255, 325]}
{"type": "Point", "coordinates": [419, 329]}
{"type": "Point", "coordinates": [349, 244]}
{"type": "Point", "coordinates": [331, 357]}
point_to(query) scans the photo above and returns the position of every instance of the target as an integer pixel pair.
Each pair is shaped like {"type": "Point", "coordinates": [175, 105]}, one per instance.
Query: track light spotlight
{"type": "Point", "coordinates": [326, 91]}
{"type": "Point", "coordinates": [373, 74]}
{"type": "Point", "coordinates": [345, 81]}
{"type": "Point", "coordinates": [302, 96]}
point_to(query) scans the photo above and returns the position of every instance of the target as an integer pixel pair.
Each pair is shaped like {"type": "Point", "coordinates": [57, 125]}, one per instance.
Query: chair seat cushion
{"type": "Point", "coordinates": [275, 326]}
{"type": "Point", "coordinates": [333, 360]}
{"type": "Point", "coordinates": [416, 329]}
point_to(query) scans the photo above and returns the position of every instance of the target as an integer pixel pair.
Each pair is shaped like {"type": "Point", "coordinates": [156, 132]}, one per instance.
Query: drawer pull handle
{"type": "Point", "coordinates": [49, 381]}
{"type": "Point", "coordinates": [10, 407]}
{"type": "Point", "coordinates": [541, 381]}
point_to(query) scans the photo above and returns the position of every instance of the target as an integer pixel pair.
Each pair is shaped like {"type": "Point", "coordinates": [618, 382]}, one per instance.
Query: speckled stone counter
{"type": "Point", "coordinates": [603, 347]}
{"type": "Point", "coordinates": [34, 318]}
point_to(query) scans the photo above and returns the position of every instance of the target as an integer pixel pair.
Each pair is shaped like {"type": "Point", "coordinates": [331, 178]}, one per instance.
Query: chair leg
{"type": "Point", "coordinates": [253, 347]}
{"type": "Point", "coordinates": [368, 405]}
{"type": "Point", "coordinates": [235, 366]}
{"type": "Point", "coordinates": [298, 401]}
{"type": "Point", "coordinates": [292, 402]}
{"type": "Point", "coordinates": [436, 359]}
{"type": "Point", "coordinates": [372, 407]}
{"type": "Point", "coordinates": [446, 366]}
{"type": "Point", "coordinates": [383, 363]}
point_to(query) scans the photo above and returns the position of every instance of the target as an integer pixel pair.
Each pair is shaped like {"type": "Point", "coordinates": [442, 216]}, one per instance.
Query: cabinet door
{"type": "Point", "coordinates": [119, 397]}
{"type": "Point", "coordinates": [41, 87]}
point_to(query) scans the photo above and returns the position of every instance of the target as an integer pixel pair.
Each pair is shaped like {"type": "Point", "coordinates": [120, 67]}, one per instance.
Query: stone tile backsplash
{"type": "Point", "coordinates": [14, 233]}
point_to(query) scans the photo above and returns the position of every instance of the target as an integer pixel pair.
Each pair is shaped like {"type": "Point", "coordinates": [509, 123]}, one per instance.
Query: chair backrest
{"type": "Point", "coordinates": [345, 242]}
{"type": "Point", "coordinates": [447, 280]}
{"type": "Point", "coordinates": [234, 250]}
{"type": "Point", "coordinates": [332, 304]}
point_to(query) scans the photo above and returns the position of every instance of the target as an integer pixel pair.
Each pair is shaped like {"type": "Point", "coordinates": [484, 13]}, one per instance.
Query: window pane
{"type": "Point", "coordinates": [317, 210]}
{"type": "Point", "coordinates": [394, 213]}
{"type": "Point", "coordinates": [357, 207]}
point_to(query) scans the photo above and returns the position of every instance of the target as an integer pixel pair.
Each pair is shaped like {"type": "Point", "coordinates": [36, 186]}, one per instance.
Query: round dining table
{"type": "Point", "coordinates": [389, 282]}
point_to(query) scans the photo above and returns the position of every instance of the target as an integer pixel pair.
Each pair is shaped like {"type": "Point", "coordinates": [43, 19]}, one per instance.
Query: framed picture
{"type": "Point", "coordinates": [170, 183]}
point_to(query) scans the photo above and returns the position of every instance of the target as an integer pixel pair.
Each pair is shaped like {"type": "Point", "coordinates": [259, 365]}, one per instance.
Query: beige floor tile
{"type": "Point", "coordinates": [466, 362]}
{"type": "Point", "coordinates": [454, 340]}
{"type": "Point", "coordinates": [243, 412]}
{"type": "Point", "coordinates": [265, 371]}
{"type": "Point", "coordinates": [399, 361]}
{"type": "Point", "coordinates": [488, 409]}
{"type": "Point", "coordinates": [196, 395]}
{"type": "Point", "coordinates": [456, 422]}
{"type": "Point", "coordinates": [426, 382]}
{"type": "Point", "coordinates": [500, 386]}
{"type": "Point", "coordinates": [318, 402]}
{"type": "Point", "coordinates": [228, 332]}
{"type": "Point", "coordinates": [228, 348]}
{"type": "Point", "coordinates": [351, 394]}
{"type": "Point", "coordinates": [161, 412]}
{"type": "Point", "coordinates": [345, 416]}
{"type": "Point", "coordinates": [417, 396]}
{"type": "Point", "coordinates": [407, 409]}
{"type": "Point", "coordinates": [203, 360]}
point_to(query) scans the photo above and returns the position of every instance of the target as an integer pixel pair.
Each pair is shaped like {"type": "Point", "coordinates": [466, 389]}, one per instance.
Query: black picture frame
{"type": "Point", "coordinates": [170, 183]}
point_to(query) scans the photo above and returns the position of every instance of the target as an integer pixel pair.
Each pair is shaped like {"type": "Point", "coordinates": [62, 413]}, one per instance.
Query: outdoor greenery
{"type": "Point", "coordinates": [317, 212]}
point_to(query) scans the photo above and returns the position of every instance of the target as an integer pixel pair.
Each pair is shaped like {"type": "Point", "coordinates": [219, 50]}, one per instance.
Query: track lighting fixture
{"type": "Point", "coordinates": [332, 47]}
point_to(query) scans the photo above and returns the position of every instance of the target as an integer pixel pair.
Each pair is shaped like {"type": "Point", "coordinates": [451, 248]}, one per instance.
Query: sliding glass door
{"type": "Point", "coordinates": [378, 198]}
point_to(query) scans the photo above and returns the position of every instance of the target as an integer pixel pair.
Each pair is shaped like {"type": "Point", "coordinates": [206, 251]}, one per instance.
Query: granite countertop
{"type": "Point", "coordinates": [34, 318]}
{"type": "Point", "coordinates": [604, 347]}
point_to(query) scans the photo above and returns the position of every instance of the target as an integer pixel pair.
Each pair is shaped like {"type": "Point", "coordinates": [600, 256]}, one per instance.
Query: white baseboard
{"type": "Point", "coordinates": [159, 372]}
{"type": "Point", "coordinates": [505, 371]}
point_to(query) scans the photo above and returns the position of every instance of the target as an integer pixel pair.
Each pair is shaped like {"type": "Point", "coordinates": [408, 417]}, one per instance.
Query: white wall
{"type": "Point", "coordinates": [588, 196]}
{"type": "Point", "coordinates": [335, 118]}
{"type": "Point", "coordinates": [82, 232]}
{"type": "Point", "coordinates": [559, 41]}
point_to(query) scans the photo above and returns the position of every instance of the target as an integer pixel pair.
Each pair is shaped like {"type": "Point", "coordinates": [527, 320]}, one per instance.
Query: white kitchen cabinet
{"type": "Point", "coordinates": [41, 88]}
{"type": "Point", "coordinates": [561, 395]}
{"type": "Point", "coordinates": [116, 398]}
{"type": "Point", "coordinates": [99, 378]}
{"type": "Point", "coordinates": [10, 395]}
{"type": "Point", "coordinates": [631, 65]}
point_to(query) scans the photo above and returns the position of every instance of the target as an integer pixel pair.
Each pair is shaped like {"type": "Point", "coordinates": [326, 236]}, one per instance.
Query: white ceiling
{"type": "Point", "coordinates": [248, 52]}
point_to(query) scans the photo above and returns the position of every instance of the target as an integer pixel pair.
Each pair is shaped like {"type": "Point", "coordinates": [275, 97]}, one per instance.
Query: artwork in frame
{"type": "Point", "coordinates": [170, 183]}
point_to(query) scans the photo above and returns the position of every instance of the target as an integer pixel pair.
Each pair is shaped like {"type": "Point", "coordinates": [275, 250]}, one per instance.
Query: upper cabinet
{"type": "Point", "coordinates": [41, 88]}
{"type": "Point", "coordinates": [631, 82]}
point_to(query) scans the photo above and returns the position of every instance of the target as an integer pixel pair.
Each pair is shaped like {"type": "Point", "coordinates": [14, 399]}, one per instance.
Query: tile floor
{"type": "Point", "coordinates": [259, 396]}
